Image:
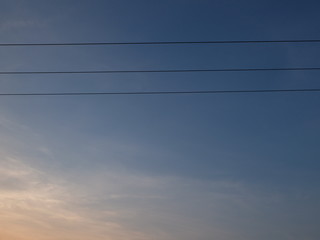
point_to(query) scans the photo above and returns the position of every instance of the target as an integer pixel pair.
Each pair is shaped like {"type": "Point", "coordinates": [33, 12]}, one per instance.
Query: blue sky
{"type": "Point", "coordinates": [241, 166]}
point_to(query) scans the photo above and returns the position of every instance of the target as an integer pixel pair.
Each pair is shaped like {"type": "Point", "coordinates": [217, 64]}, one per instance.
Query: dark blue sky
{"type": "Point", "coordinates": [236, 166]}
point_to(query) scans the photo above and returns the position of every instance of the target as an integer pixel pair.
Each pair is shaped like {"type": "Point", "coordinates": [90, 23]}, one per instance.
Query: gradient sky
{"type": "Point", "coordinates": [178, 167]}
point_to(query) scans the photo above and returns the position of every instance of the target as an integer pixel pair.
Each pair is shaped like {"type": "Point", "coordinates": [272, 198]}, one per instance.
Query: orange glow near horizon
{"type": "Point", "coordinates": [31, 208]}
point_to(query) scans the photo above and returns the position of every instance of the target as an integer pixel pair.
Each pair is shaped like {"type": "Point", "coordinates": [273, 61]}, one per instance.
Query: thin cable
{"type": "Point", "coordinates": [160, 71]}
{"type": "Point", "coordinates": [158, 43]}
{"type": "Point", "coordinates": [162, 92]}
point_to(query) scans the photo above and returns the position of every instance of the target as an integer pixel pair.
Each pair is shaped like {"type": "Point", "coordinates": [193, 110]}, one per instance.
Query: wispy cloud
{"type": "Point", "coordinates": [34, 206]}
{"type": "Point", "coordinates": [108, 204]}
{"type": "Point", "coordinates": [97, 200]}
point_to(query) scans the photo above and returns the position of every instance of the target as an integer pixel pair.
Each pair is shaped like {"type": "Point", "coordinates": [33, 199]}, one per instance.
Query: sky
{"type": "Point", "coordinates": [159, 167]}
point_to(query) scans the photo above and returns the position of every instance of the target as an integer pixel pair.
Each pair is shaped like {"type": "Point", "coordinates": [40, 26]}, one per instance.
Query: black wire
{"type": "Point", "coordinates": [159, 43]}
{"type": "Point", "coordinates": [162, 71]}
{"type": "Point", "coordinates": [162, 92]}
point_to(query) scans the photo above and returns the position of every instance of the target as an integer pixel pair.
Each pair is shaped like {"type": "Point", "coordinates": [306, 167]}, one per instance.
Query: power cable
{"type": "Point", "coordinates": [159, 43]}
{"type": "Point", "coordinates": [163, 92]}
{"type": "Point", "coordinates": [161, 71]}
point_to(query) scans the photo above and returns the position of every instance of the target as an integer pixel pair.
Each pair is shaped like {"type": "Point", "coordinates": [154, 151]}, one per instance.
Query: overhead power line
{"type": "Point", "coordinates": [163, 92]}
{"type": "Point", "coordinates": [160, 71]}
{"type": "Point", "coordinates": [159, 43]}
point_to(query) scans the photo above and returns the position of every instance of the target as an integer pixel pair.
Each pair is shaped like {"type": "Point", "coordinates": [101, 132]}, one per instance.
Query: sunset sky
{"type": "Point", "coordinates": [159, 167]}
